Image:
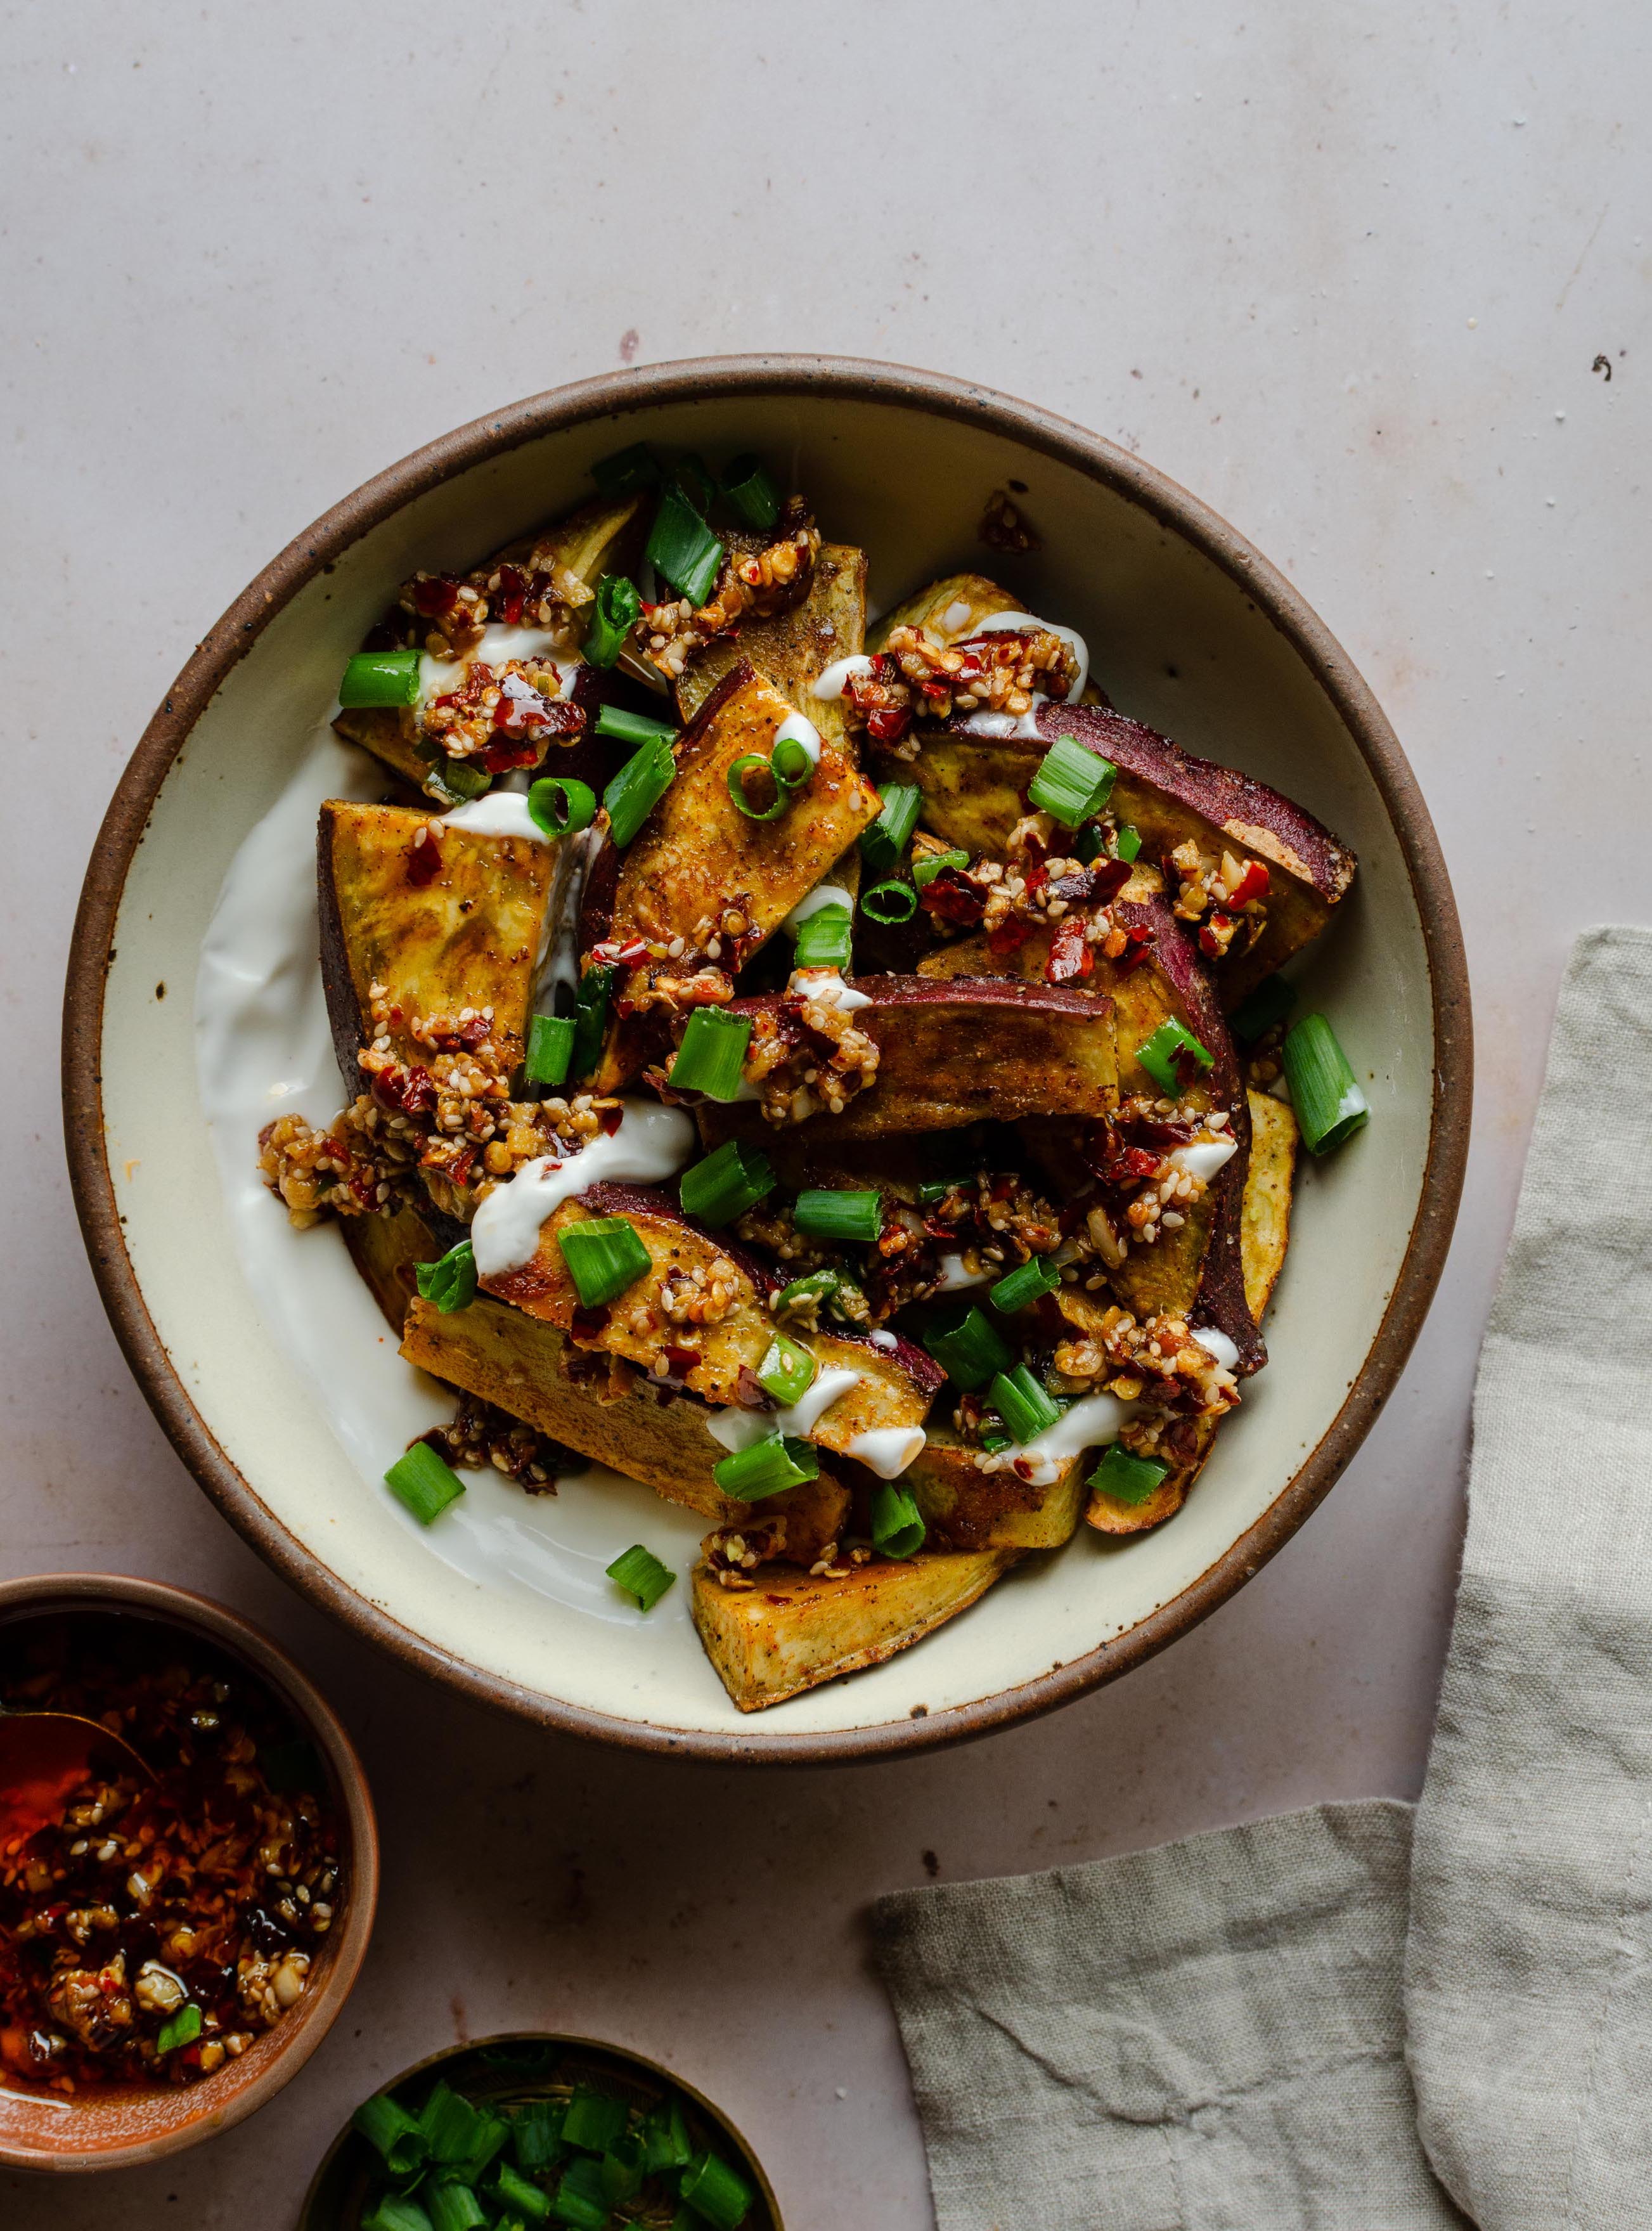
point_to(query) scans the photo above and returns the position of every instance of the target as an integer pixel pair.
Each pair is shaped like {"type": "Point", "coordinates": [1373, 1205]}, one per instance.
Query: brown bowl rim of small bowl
{"type": "Point", "coordinates": [599, 2047]}
{"type": "Point", "coordinates": [202, 2110]}
{"type": "Point", "coordinates": [615, 397]}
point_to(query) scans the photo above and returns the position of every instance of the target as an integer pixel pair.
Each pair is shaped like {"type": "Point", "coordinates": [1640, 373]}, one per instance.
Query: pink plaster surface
{"type": "Point", "coordinates": [1345, 274]}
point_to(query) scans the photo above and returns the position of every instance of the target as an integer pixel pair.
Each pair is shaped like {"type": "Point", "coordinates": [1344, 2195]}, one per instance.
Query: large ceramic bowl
{"type": "Point", "coordinates": [126, 2127]}
{"type": "Point", "coordinates": [1191, 630]}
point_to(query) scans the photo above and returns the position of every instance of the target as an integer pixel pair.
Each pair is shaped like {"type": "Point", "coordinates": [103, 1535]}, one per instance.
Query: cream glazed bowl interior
{"type": "Point", "coordinates": [264, 1356]}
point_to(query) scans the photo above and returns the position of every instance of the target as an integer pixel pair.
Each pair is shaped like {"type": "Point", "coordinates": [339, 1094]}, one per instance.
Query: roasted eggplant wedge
{"type": "Point", "coordinates": [793, 649]}
{"type": "Point", "coordinates": [532, 1370]}
{"type": "Point", "coordinates": [950, 1052]}
{"type": "Point", "coordinates": [599, 538]}
{"type": "Point", "coordinates": [784, 1631]}
{"type": "Point", "coordinates": [948, 610]}
{"type": "Point", "coordinates": [447, 919]}
{"type": "Point", "coordinates": [706, 878]}
{"type": "Point", "coordinates": [975, 789]}
{"type": "Point", "coordinates": [966, 1508]}
{"type": "Point", "coordinates": [386, 1252]}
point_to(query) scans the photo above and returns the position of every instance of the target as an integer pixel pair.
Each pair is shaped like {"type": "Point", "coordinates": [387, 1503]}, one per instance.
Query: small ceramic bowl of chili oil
{"type": "Point", "coordinates": [531, 2129]}
{"type": "Point", "coordinates": [188, 1871]}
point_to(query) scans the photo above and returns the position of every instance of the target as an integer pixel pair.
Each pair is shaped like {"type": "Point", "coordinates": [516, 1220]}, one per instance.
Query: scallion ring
{"type": "Point", "coordinates": [752, 773]}
{"type": "Point", "coordinates": [561, 806]}
{"type": "Point", "coordinates": [890, 903]}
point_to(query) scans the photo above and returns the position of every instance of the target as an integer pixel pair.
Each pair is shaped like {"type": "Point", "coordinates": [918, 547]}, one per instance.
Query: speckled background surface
{"type": "Point", "coordinates": [1357, 279]}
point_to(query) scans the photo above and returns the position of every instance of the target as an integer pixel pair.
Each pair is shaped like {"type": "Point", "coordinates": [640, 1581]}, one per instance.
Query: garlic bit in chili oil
{"type": "Point", "coordinates": [150, 1931]}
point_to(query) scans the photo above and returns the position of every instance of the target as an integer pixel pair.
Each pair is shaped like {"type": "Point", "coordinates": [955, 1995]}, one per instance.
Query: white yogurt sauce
{"type": "Point", "coordinates": [1090, 1424]}
{"type": "Point", "coordinates": [1204, 1157]}
{"type": "Point", "coordinates": [830, 684]}
{"type": "Point", "coordinates": [1216, 1344]}
{"type": "Point", "coordinates": [651, 1143]}
{"type": "Point", "coordinates": [823, 895]}
{"type": "Point", "coordinates": [887, 1450]}
{"type": "Point", "coordinates": [957, 1274]}
{"type": "Point", "coordinates": [497, 813]}
{"type": "Point", "coordinates": [886, 1341]}
{"type": "Point", "coordinates": [1007, 724]}
{"type": "Point", "coordinates": [263, 1049]}
{"type": "Point", "coordinates": [828, 987]}
{"type": "Point", "coordinates": [797, 728]}
{"type": "Point", "coordinates": [438, 677]}
{"type": "Point", "coordinates": [738, 1429]}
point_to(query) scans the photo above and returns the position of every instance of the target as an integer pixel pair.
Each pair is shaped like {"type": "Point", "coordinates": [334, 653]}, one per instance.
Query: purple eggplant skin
{"type": "Point", "coordinates": [955, 1051]}
{"type": "Point", "coordinates": [975, 789]}
{"type": "Point", "coordinates": [1222, 1276]}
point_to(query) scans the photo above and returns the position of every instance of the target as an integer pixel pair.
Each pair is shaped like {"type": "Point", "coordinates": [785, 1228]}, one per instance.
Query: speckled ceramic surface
{"type": "Point", "coordinates": [1189, 631]}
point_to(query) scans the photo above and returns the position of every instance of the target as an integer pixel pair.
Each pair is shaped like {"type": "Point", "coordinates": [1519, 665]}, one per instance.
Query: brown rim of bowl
{"type": "Point", "coordinates": [600, 2049]}
{"type": "Point", "coordinates": [615, 395]}
{"type": "Point", "coordinates": [211, 2112]}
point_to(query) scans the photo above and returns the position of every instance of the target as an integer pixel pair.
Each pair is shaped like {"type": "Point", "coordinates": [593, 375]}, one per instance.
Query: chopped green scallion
{"type": "Point", "coordinates": [580, 2200]}
{"type": "Point", "coordinates": [396, 2213]}
{"type": "Point", "coordinates": [1072, 784]}
{"type": "Point", "coordinates": [992, 1441]}
{"type": "Point", "coordinates": [682, 548]}
{"type": "Point", "coordinates": [1126, 845]}
{"type": "Point", "coordinates": [591, 1017]}
{"type": "Point", "coordinates": [891, 903]}
{"type": "Point", "coordinates": [755, 788]}
{"type": "Point", "coordinates": [615, 611]}
{"type": "Point", "coordinates": [536, 2134]}
{"type": "Point", "coordinates": [827, 1213]}
{"type": "Point", "coordinates": [1329, 1104]}
{"type": "Point", "coordinates": [728, 1182]}
{"type": "Point", "coordinates": [897, 1523]}
{"type": "Point", "coordinates": [450, 1282]}
{"type": "Point", "coordinates": [787, 1372]}
{"type": "Point", "coordinates": [718, 2195]}
{"type": "Point", "coordinates": [970, 1352]}
{"type": "Point", "coordinates": [925, 866]}
{"type": "Point", "coordinates": [454, 2207]}
{"type": "Point", "coordinates": [825, 939]}
{"type": "Point", "coordinates": [457, 781]}
{"type": "Point", "coordinates": [637, 789]}
{"type": "Point", "coordinates": [711, 1055]}
{"type": "Point", "coordinates": [1024, 1285]}
{"type": "Point", "coordinates": [424, 1483]}
{"type": "Point", "coordinates": [626, 728]}
{"type": "Point", "coordinates": [1126, 1479]}
{"type": "Point", "coordinates": [604, 1255]}
{"type": "Point", "coordinates": [627, 470]}
{"type": "Point", "coordinates": [560, 807]}
{"type": "Point", "coordinates": [1026, 1407]}
{"type": "Point", "coordinates": [793, 767]}
{"type": "Point", "coordinates": [375, 678]}
{"type": "Point", "coordinates": [640, 1573]}
{"type": "Point", "coordinates": [550, 1048]}
{"type": "Point", "coordinates": [770, 1466]}
{"type": "Point", "coordinates": [750, 494]}
{"type": "Point", "coordinates": [183, 2029]}
{"type": "Point", "coordinates": [593, 2120]}
{"type": "Point", "coordinates": [666, 2142]}
{"type": "Point", "coordinates": [883, 845]}
{"type": "Point", "coordinates": [1163, 1054]}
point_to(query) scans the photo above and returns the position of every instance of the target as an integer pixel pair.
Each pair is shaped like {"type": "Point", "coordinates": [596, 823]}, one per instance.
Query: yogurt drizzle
{"type": "Point", "coordinates": [650, 1143]}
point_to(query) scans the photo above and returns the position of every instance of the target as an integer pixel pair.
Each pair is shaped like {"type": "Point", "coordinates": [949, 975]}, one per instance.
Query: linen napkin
{"type": "Point", "coordinates": [1223, 2034]}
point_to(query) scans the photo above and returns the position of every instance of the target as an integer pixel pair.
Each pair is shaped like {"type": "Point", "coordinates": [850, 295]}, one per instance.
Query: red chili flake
{"type": "Point", "coordinates": [889, 723]}
{"type": "Point", "coordinates": [1216, 935]}
{"type": "Point", "coordinates": [434, 595]}
{"type": "Point", "coordinates": [611, 1119]}
{"type": "Point", "coordinates": [1107, 879]}
{"type": "Point", "coordinates": [512, 594]}
{"type": "Point", "coordinates": [459, 1168]}
{"type": "Point", "coordinates": [1010, 935]}
{"type": "Point", "coordinates": [1003, 1186]}
{"type": "Point", "coordinates": [424, 857]}
{"type": "Point", "coordinates": [612, 951]}
{"type": "Point", "coordinates": [952, 898]}
{"type": "Point", "coordinates": [934, 689]}
{"type": "Point", "coordinates": [1253, 884]}
{"type": "Point", "coordinates": [500, 757]}
{"type": "Point", "coordinates": [1071, 959]}
{"type": "Point", "coordinates": [589, 1325]}
{"type": "Point", "coordinates": [1037, 877]}
{"type": "Point", "coordinates": [406, 1091]}
{"type": "Point", "coordinates": [682, 1360]}
{"type": "Point", "coordinates": [1140, 948]}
